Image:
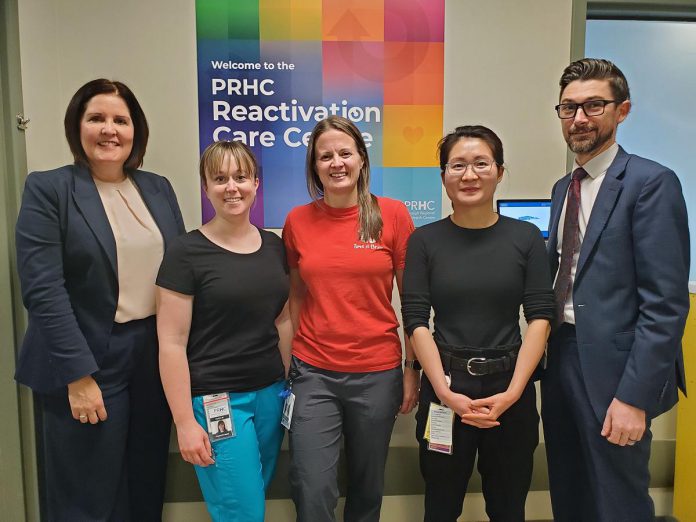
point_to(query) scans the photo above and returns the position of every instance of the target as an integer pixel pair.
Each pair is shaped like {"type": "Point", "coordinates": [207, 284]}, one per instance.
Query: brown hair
{"type": "Point", "coordinates": [76, 109]}
{"type": "Point", "coordinates": [597, 69]}
{"type": "Point", "coordinates": [214, 154]}
{"type": "Point", "coordinates": [369, 214]}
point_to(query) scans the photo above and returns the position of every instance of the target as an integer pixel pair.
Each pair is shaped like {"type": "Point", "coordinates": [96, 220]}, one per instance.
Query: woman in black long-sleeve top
{"type": "Point", "coordinates": [474, 269]}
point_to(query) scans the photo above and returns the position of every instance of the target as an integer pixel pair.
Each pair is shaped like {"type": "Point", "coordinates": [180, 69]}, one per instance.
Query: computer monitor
{"type": "Point", "coordinates": [536, 211]}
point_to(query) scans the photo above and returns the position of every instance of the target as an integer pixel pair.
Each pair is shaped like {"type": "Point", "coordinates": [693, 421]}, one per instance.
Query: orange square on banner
{"type": "Point", "coordinates": [353, 20]}
{"type": "Point", "coordinates": [414, 73]}
{"type": "Point", "coordinates": [290, 19]}
{"type": "Point", "coordinates": [410, 134]}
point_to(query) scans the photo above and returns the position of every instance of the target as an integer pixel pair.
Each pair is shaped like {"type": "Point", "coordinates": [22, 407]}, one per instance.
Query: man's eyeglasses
{"type": "Point", "coordinates": [458, 168]}
{"type": "Point", "coordinates": [590, 108]}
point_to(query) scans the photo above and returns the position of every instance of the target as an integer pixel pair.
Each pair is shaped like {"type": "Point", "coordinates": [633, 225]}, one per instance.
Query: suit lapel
{"type": "Point", "coordinates": [557, 206]}
{"type": "Point", "coordinates": [89, 203]}
{"type": "Point", "coordinates": [157, 205]}
{"type": "Point", "coordinates": [603, 205]}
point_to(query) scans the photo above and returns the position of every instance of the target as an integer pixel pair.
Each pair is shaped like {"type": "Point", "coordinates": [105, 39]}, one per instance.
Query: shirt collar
{"type": "Point", "coordinates": [600, 163]}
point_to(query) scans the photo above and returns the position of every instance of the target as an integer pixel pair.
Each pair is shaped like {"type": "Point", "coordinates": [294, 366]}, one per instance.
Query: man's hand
{"type": "Point", "coordinates": [624, 424]}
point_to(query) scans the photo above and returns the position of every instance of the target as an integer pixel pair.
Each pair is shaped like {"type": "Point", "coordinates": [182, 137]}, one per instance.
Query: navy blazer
{"type": "Point", "coordinates": [630, 294]}
{"type": "Point", "coordinates": [66, 258]}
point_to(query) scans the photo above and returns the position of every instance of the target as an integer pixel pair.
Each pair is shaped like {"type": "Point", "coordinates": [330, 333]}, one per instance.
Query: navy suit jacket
{"type": "Point", "coordinates": [66, 258]}
{"type": "Point", "coordinates": [630, 294]}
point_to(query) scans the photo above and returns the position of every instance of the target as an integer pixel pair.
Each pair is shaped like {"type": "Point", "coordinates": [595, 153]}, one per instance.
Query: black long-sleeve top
{"type": "Point", "coordinates": [475, 281]}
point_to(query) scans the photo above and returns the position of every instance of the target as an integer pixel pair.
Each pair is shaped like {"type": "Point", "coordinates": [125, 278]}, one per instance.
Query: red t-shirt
{"type": "Point", "coordinates": [347, 322]}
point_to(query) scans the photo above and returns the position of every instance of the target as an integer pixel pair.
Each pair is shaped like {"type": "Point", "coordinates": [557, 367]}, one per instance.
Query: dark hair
{"type": "Point", "coordinates": [444, 147]}
{"type": "Point", "coordinates": [76, 109]}
{"type": "Point", "coordinates": [214, 154]}
{"type": "Point", "coordinates": [597, 69]}
{"type": "Point", "coordinates": [370, 216]}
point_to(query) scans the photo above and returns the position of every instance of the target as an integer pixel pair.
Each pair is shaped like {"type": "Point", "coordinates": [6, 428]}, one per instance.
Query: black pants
{"type": "Point", "coordinates": [505, 453]}
{"type": "Point", "coordinates": [113, 470]}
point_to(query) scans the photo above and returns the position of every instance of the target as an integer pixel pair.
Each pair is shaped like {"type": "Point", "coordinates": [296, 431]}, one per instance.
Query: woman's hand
{"type": "Point", "coordinates": [86, 402]}
{"type": "Point", "coordinates": [411, 387]}
{"type": "Point", "coordinates": [194, 444]}
{"type": "Point", "coordinates": [470, 413]}
{"type": "Point", "coordinates": [495, 404]}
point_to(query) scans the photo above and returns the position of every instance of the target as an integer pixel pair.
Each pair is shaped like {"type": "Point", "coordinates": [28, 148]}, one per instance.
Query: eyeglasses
{"type": "Point", "coordinates": [590, 108]}
{"type": "Point", "coordinates": [458, 168]}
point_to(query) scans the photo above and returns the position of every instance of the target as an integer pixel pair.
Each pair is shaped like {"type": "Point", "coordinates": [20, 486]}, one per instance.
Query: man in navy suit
{"type": "Point", "coordinates": [619, 248]}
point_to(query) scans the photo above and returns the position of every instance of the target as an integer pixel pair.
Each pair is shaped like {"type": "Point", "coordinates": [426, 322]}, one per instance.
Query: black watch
{"type": "Point", "coordinates": [413, 364]}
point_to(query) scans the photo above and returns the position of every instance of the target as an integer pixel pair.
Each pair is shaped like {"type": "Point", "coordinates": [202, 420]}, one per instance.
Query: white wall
{"type": "Point", "coordinates": [503, 59]}
{"type": "Point", "coordinates": [149, 45]}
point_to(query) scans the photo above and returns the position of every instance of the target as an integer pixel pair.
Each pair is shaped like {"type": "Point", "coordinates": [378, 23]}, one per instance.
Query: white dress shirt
{"type": "Point", "coordinates": [596, 169]}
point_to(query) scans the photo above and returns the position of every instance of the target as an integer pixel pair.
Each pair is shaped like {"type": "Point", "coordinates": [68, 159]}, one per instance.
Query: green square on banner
{"type": "Point", "coordinates": [224, 19]}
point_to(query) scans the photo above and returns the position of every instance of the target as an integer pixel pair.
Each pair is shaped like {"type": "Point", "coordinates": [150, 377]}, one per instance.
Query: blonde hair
{"type": "Point", "coordinates": [214, 155]}
{"type": "Point", "coordinates": [369, 215]}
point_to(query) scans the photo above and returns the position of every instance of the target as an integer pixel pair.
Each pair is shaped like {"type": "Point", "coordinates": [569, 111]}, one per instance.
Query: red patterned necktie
{"type": "Point", "coordinates": [571, 243]}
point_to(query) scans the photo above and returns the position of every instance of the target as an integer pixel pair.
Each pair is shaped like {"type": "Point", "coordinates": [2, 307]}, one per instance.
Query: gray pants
{"type": "Point", "coordinates": [360, 406]}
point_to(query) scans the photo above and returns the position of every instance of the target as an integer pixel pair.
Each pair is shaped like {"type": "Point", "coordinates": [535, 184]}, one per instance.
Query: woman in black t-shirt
{"type": "Point", "coordinates": [474, 269]}
{"type": "Point", "coordinates": [224, 332]}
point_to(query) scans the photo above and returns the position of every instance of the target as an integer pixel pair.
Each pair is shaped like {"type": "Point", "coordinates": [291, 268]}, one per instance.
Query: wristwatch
{"type": "Point", "coordinates": [413, 364]}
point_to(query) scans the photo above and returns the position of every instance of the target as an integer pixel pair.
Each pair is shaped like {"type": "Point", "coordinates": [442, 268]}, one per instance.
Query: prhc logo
{"type": "Point", "coordinates": [420, 205]}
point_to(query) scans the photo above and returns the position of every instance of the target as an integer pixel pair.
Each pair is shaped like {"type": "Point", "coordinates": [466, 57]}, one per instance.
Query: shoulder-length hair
{"type": "Point", "coordinates": [369, 215]}
{"type": "Point", "coordinates": [76, 109]}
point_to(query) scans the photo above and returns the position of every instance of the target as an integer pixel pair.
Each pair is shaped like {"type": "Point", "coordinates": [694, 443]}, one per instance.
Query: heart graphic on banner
{"type": "Point", "coordinates": [413, 134]}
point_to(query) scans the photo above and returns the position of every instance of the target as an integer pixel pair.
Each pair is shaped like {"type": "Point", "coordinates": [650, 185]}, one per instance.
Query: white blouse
{"type": "Point", "coordinates": [139, 248]}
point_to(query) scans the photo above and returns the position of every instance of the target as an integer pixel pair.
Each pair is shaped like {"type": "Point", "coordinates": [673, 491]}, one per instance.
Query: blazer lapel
{"type": "Point", "coordinates": [90, 205]}
{"type": "Point", "coordinates": [557, 206]}
{"type": "Point", "coordinates": [603, 205]}
{"type": "Point", "coordinates": [158, 205]}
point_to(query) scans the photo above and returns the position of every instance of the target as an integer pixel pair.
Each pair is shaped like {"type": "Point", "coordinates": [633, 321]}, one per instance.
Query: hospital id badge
{"type": "Point", "coordinates": [438, 428]}
{"type": "Point", "coordinates": [288, 406]}
{"type": "Point", "coordinates": [218, 416]}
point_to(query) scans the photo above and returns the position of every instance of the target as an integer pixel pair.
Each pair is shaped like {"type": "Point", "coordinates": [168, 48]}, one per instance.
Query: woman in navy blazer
{"type": "Point", "coordinates": [90, 350]}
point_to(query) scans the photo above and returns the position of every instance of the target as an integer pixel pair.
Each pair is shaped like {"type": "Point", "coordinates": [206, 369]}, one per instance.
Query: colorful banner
{"type": "Point", "coordinates": [269, 70]}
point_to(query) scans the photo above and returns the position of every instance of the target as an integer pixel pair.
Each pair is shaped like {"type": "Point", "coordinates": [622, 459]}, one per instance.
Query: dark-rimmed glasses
{"type": "Point", "coordinates": [590, 108]}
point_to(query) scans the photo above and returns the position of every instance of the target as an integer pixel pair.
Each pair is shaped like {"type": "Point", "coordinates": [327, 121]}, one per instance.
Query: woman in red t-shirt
{"type": "Point", "coordinates": [344, 250]}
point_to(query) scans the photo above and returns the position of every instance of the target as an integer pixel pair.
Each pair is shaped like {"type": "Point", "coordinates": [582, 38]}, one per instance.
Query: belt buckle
{"type": "Point", "coordinates": [468, 365]}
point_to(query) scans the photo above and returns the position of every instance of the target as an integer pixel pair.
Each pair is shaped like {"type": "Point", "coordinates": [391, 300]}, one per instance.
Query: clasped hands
{"type": "Point", "coordinates": [480, 413]}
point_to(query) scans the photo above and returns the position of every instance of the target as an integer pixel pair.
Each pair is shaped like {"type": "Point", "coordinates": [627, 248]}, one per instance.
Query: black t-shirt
{"type": "Point", "coordinates": [233, 342]}
{"type": "Point", "coordinates": [475, 281]}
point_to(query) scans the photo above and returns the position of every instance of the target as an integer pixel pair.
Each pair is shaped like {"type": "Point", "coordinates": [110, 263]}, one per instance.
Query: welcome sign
{"type": "Point", "coordinates": [269, 70]}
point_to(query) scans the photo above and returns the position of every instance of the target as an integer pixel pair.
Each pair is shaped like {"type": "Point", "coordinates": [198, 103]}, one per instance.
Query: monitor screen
{"type": "Point", "coordinates": [536, 211]}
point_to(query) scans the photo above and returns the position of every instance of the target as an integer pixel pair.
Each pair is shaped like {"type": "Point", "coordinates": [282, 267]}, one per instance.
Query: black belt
{"type": "Point", "coordinates": [478, 365]}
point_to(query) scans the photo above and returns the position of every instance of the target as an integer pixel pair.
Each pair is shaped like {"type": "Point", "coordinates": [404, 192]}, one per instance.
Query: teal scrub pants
{"type": "Point", "coordinates": [234, 487]}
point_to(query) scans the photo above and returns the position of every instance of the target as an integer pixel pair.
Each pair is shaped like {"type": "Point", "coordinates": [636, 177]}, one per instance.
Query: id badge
{"type": "Point", "coordinates": [438, 428]}
{"type": "Point", "coordinates": [288, 406]}
{"type": "Point", "coordinates": [218, 416]}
